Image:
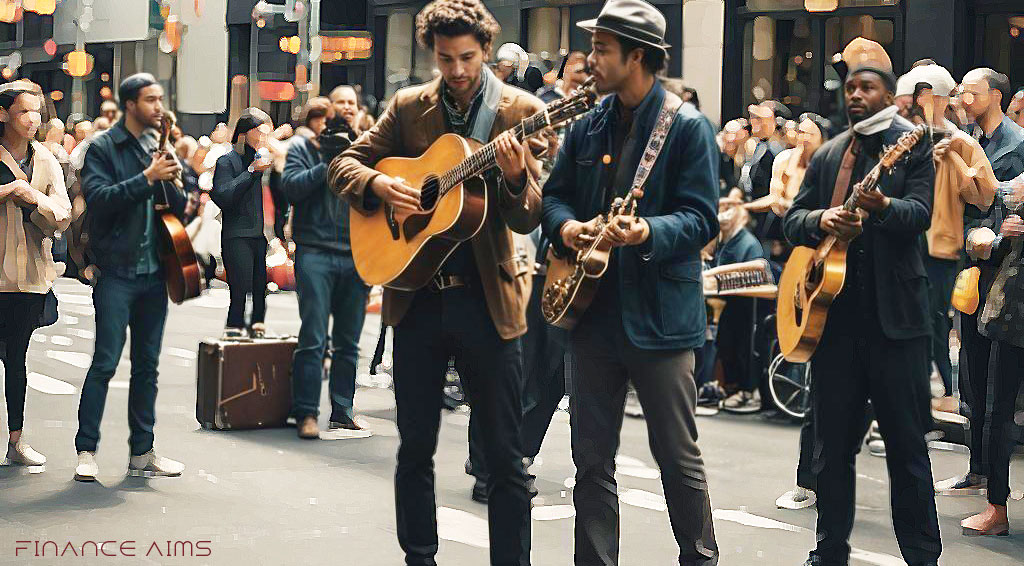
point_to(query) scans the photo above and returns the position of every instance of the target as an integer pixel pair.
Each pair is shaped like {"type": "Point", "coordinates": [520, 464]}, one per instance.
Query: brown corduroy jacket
{"type": "Point", "coordinates": [412, 122]}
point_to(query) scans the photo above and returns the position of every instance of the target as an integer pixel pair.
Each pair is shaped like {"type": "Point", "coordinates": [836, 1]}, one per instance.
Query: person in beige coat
{"type": "Point", "coordinates": [34, 206]}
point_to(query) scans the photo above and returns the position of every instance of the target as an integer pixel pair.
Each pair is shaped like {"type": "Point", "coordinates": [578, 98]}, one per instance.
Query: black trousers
{"type": "Point", "coordinates": [544, 362]}
{"type": "Point", "coordinates": [437, 326]}
{"type": "Point", "coordinates": [941, 277]}
{"type": "Point", "coordinates": [855, 363]}
{"type": "Point", "coordinates": [19, 315]}
{"type": "Point", "coordinates": [605, 362]}
{"type": "Point", "coordinates": [999, 442]}
{"type": "Point", "coordinates": [245, 261]}
{"type": "Point", "coordinates": [809, 452]}
{"type": "Point", "coordinates": [975, 354]}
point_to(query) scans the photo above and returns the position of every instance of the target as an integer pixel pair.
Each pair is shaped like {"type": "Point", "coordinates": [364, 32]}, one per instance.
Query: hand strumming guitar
{"type": "Point", "coordinates": [393, 191]}
{"type": "Point", "coordinates": [163, 167]}
{"type": "Point", "coordinates": [578, 235]}
{"type": "Point", "coordinates": [627, 230]}
{"type": "Point", "coordinates": [841, 223]}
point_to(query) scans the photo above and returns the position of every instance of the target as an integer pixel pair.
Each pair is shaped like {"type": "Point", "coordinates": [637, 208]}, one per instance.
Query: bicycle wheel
{"type": "Point", "coordinates": [790, 386]}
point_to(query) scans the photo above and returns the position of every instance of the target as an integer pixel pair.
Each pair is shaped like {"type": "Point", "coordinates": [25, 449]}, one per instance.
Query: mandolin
{"type": "Point", "coordinates": [181, 268]}
{"type": "Point", "coordinates": [814, 277]}
{"type": "Point", "coordinates": [405, 252]}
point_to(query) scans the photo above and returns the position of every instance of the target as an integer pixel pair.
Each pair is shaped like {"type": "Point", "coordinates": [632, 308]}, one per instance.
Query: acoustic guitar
{"type": "Point", "coordinates": [814, 277]}
{"type": "Point", "coordinates": [404, 253]}
{"type": "Point", "coordinates": [181, 268]}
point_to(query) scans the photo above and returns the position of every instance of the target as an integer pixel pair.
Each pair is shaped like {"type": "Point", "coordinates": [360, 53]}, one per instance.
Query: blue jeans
{"type": "Point", "coordinates": [141, 304]}
{"type": "Point", "coordinates": [327, 285]}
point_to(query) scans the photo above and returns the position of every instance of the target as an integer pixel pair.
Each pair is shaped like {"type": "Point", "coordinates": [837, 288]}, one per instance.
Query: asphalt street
{"type": "Point", "coordinates": [265, 497]}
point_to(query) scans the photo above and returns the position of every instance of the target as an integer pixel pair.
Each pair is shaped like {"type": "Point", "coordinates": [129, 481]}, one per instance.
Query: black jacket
{"type": "Point", "coordinates": [116, 196]}
{"type": "Point", "coordinates": [319, 218]}
{"type": "Point", "coordinates": [239, 194]}
{"type": "Point", "coordinates": [897, 251]}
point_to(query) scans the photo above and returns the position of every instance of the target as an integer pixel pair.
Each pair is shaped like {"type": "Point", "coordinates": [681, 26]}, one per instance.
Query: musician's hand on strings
{"type": "Point", "coordinates": [394, 191]}
{"type": "Point", "coordinates": [872, 201]}
{"type": "Point", "coordinates": [626, 230]}
{"type": "Point", "coordinates": [511, 158]}
{"type": "Point", "coordinates": [578, 235]}
{"type": "Point", "coordinates": [163, 167]}
{"type": "Point", "coordinates": [841, 223]}
{"type": "Point", "coordinates": [1013, 227]}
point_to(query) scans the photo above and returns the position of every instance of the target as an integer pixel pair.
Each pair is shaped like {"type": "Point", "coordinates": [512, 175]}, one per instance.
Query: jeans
{"type": "Point", "coordinates": [19, 315]}
{"type": "Point", "coordinates": [245, 262]}
{"type": "Point", "coordinates": [327, 285]}
{"type": "Point", "coordinates": [941, 277]}
{"type": "Point", "coordinates": [437, 326]}
{"type": "Point", "coordinates": [138, 303]}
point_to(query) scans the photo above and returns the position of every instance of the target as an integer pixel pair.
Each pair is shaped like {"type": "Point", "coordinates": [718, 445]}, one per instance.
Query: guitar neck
{"type": "Point", "coordinates": [484, 158]}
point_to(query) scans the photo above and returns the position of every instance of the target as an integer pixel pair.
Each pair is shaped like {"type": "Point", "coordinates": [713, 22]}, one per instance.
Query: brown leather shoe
{"type": "Point", "coordinates": [308, 428]}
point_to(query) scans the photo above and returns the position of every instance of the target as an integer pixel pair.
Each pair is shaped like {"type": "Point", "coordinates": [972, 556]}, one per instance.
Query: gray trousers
{"type": "Point", "coordinates": [664, 382]}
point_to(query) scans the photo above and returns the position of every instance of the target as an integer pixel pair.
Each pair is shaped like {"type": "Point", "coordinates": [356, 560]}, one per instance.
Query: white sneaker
{"type": "Point", "coordinates": [21, 454]}
{"type": "Point", "coordinates": [743, 402]}
{"type": "Point", "coordinates": [876, 447]}
{"type": "Point", "coordinates": [149, 465]}
{"type": "Point", "coordinates": [87, 468]}
{"type": "Point", "coordinates": [796, 498]}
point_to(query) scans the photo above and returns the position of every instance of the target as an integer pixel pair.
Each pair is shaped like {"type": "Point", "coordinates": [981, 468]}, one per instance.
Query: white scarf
{"type": "Point", "coordinates": [877, 123]}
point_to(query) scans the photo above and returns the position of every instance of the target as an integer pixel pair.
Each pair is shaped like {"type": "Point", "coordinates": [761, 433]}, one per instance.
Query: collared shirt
{"type": "Point", "coordinates": [461, 261]}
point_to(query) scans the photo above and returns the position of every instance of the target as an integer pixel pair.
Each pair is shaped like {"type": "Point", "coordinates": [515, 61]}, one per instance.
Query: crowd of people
{"type": "Point", "coordinates": [80, 199]}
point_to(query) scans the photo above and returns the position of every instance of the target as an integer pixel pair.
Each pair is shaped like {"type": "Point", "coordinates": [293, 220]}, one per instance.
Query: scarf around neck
{"type": "Point", "coordinates": [878, 123]}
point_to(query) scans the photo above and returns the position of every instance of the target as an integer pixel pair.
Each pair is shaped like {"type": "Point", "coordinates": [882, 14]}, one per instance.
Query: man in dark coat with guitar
{"type": "Point", "coordinates": [648, 313]}
{"type": "Point", "coordinates": [876, 339]}
{"type": "Point", "coordinates": [475, 305]}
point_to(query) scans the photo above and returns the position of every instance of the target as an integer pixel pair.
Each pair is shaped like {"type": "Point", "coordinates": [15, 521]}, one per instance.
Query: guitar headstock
{"type": "Point", "coordinates": [577, 103]}
{"type": "Point", "coordinates": [906, 143]}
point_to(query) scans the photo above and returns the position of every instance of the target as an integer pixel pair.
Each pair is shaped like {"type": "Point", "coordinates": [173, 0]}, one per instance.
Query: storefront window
{"type": "Point", "coordinates": [779, 62]}
{"type": "Point", "coordinates": [813, 5]}
{"type": "Point", "coordinates": [1003, 47]}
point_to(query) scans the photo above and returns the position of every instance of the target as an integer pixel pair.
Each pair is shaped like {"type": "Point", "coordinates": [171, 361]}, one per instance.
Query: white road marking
{"type": "Point", "coordinates": [118, 385]}
{"type": "Point", "coordinates": [83, 310]}
{"type": "Point", "coordinates": [642, 472]}
{"type": "Point", "coordinates": [750, 520]}
{"type": "Point", "coordinates": [68, 319]}
{"type": "Point", "coordinates": [644, 499]}
{"type": "Point", "coordinates": [47, 384]}
{"type": "Point", "coordinates": [459, 526]}
{"type": "Point", "coordinates": [61, 340]}
{"type": "Point", "coordinates": [74, 299]}
{"type": "Point", "coordinates": [39, 338]}
{"type": "Point", "coordinates": [76, 359]}
{"type": "Point", "coordinates": [875, 558]}
{"type": "Point", "coordinates": [81, 333]}
{"type": "Point", "coordinates": [553, 512]}
{"type": "Point", "coordinates": [182, 353]}
{"type": "Point", "coordinates": [458, 419]}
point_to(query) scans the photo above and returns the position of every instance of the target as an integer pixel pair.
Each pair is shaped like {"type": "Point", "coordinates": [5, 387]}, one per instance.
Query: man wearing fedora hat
{"type": "Point", "coordinates": [648, 314]}
{"type": "Point", "coordinates": [875, 344]}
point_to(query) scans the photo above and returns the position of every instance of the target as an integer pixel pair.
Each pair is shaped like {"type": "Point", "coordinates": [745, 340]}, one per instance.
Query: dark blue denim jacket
{"type": "Point", "coordinates": [660, 289]}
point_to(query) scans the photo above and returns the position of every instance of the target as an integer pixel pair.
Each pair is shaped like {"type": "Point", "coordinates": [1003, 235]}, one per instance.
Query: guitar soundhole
{"type": "Point", "coordinates": [429, 193]}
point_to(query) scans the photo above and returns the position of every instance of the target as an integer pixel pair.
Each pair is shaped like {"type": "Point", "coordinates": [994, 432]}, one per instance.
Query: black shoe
{"type": "Point", "coordinates": [480, 491]}
{"type": "Point", "coordinates": [531, 486]}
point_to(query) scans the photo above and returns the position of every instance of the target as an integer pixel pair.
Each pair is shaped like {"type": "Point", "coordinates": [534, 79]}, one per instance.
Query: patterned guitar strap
{"type": "Point", "coordinates": [660, 131]}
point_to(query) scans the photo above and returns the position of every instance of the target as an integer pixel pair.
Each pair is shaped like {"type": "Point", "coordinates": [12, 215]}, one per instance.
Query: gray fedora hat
{"type": "Point", "coordinates": [633, 19]}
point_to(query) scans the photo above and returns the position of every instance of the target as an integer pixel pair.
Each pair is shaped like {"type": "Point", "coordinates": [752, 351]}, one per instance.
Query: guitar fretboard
{"type": "Point", "coordinates": [484, 158]}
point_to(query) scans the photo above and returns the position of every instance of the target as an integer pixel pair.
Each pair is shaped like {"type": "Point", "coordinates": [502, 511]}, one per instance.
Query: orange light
{"type": "Point", "coordinates": [78, 63]}
{"type": "Point", "coordinates": [50, 47]}
{"type": "Point", "coordinates": [294, 44]}
{"type": "Point", "coordinates": [172, 30]}
{"type": "Point", "coordinates": [104, 77]}
{"type": "Point", "coordinates": [260, 23]}
{"type": "Point", "coordinates": [276, 91]}
{"type": "Point", "coordinates": [43, 7]}
{"type": "Point", "coordinates": [283, 44]}
{"type": "Point", "coordinates": [106, 93]}
{"type": "Point", "coordinates": [56, 96]}
{"type": "Point", "coordinates": [300, 75]}
{"type": "Point", "coordinates": [7, 73]}
{"type": "Point", "coordinates": [239, 80]}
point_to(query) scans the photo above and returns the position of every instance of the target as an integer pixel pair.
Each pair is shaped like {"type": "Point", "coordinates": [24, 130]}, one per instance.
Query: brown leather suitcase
{"type": "Point", "coordinates": [244, 384]}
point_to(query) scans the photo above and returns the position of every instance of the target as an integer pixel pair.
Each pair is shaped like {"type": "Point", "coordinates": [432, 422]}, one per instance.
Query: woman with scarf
{"type": "Point", "coordinates": [238, 191]}
{"type": "Point", "coordinates": [34, 206]}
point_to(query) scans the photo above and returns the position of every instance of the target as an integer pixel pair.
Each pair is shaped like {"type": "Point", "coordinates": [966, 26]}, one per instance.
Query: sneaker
{"type": "Point", "coordinates": [967, 484]}
{"type": "Point", "coordinates": [87, 468]}
{"type": "Point", "coordinates": [21, 454]}
{"type": "Point", "coordinates": [308, 428]}
{"type": "Point", "coordinates": [743, 402]}
{"type": "Point", "coordinates": [706, 411]}
{"type": "Point", "coordinates": [633, 408]}
{"type": "Point", "coordinates": [233, 334]}
{"type": "Point", "coordinates": [149, 465]}
{"type": "Point", "coordinates": [876, 447]}
{"type": "Point", "coordinates": [258, 330]}
{"type": "Point", "coordinates": [796, 498]}
{"type": "Point", "coordinates": [347, 428]}
{"type": "Point", "coordinates": [480, 491]}
{"type": "Point", "coordinates": [710, 395]}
